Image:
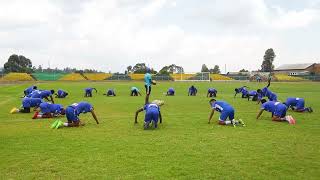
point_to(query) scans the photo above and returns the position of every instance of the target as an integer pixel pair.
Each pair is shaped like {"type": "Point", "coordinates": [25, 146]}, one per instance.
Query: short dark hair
{"type": "Point", "coordinates": [263, 101]}
{"type": "Point", "coordinates": [259, 90]}
{"type": "Point", "coordinates": [52, 91]}
{"type": "Point", "coordinates": [35, 87]}
{"type": "Point", "coordinates": [211, 100]}
{"type": "Point", "coordinates": [236, 90]}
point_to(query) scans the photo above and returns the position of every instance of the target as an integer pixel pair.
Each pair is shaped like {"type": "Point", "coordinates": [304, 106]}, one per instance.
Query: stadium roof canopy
{"type": "Point", "coordinates": [294, 66]}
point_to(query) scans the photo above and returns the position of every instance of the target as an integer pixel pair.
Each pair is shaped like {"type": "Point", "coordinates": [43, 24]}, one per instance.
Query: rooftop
{"type": "Point", "coordinates": [294, 66]}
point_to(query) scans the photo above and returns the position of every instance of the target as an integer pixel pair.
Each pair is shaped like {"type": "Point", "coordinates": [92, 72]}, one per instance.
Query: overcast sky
{"type": "Point", "coordinates": [112, 34]}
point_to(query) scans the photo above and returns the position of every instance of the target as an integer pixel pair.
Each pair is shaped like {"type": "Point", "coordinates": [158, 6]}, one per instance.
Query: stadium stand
{"type": "Point", "coordinates": [97, 76]}
{"type": "Point", "coordinates": [181, 76]}
{"type": "Point", "coordinates": [73, 77]}
{"type": "Point", "coordinates": [220, 77]}
{"type": "Point", "coordinates": [162, 77]}
{"type": "Point", "coordinates": [47, 76]}
{"type": "Point", "coordinates": [136, 76]}
{"type": "Point", "coordinates": [285, 77]}
{"type": "Point", "coordinates": [17, 77]}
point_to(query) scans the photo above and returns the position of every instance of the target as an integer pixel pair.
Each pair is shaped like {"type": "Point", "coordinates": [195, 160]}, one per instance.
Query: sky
{"type": "Point", "coordinates": [111, 35]}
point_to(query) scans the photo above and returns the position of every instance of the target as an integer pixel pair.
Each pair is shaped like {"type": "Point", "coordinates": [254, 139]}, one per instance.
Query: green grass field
{"type": "Point", "coordinates": [185, 146]}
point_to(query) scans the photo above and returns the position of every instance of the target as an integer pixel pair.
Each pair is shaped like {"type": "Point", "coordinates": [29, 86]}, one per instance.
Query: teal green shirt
{"type": "Point", "coordinates": [147, 79]}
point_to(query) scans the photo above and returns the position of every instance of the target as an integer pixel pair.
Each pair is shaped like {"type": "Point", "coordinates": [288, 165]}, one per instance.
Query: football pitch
{"type": "Point", "coordinates": [184, 146]}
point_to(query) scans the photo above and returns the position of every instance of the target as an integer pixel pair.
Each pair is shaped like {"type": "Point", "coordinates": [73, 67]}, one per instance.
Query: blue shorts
{"type": "Point", "coordinates": [227, 113]}
{"type": "Point", "coordinates": [300, 104]}
{"type": "Point", "coordinates": [280, 110]}
{"type": "Point", "coordinates": [152, 115]}
{"type": "Point", "coordinates": [44, 109]}
{"type": "Point", "coordinates": [71, 114]}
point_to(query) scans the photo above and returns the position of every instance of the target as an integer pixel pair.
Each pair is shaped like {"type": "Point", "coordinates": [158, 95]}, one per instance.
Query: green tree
{"type": "Point", "coordinates": [171, 69]}
{"type": "Point", "coordinates": [267, 63]}
{"type": "Point", "coordinates": [243, 70]}
{"type": "Point", "coordinates": [215, 70]}
{"type": "Point", "coordinates": [18, 64]}
{"type": "Point", "coordinates": [204, 68]}
{"type": "Point", "coordinates": [141, 68]}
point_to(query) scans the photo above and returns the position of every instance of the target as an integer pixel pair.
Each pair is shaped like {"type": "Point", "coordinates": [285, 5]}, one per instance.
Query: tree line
{"type": "Point", "coordinates": [21, 64]}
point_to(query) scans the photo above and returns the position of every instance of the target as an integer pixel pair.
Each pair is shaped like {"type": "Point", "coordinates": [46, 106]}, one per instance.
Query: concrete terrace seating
{"type": "Point", "coordinates": [73, 77]}
{"type": "Point", "coordinates": [17, 77]}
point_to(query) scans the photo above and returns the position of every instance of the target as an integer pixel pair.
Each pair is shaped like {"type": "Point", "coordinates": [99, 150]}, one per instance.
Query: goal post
{"type": "Point", "coordinates": [192, 76]}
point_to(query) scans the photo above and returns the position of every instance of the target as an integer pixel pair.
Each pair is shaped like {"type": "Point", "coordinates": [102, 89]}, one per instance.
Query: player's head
{"type": "Point", "coordinates": [67, 94]}
{"type": "Point", "coordinates": [35, 87]}
{"type": "Point", "coordinates": [236, 90]}
{"type": "Point", "coordinates": [148, 70]}
{"type": "Point", "coordinates": [52, 91]}
{"type": "Point", "coordinates": [212, 101]}
{"type": "Point", "coordinates": [259, 91]}
{"type": "Point", "coordinates": [263, 101]}
{"type": "Point", "coordinates": [63, 111]}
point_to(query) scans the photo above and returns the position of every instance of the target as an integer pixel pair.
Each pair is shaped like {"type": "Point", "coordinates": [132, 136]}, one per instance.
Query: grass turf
{"type": "Point", "coordinates": [184, 146]}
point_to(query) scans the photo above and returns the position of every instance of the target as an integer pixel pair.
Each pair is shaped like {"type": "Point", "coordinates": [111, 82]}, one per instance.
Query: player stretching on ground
{"type": "Point", "coordinates": [242, 90]}
{"type": "Point", "coordinates": [27, 103]}
{"type": "Point", "coordinates": [212, 92]}
{"type": "Point", "coordinates": [110, 92]}
{"type": "Point", "coordinates": [278, 111]}
{"type": "Point", "coordinates": [265, 92]}
{"type": "Point", "coordinates": [192, 91]}
{"type": "Point", "coordinates": [226, 111]}
{"type": "Point", "coordinates": [61, 94]}
{"type": "Point", "coordinates": [297, 105]}
{"type": "Point", "coordinates": [72, 114]}
{"type": "Point", "coordinates": [135, 91]}
{"type": "Point", "coordinates": [152, 113]}
{"type": "Point", "coordinates": [48, 110]}
{"type": "Point", "coordinates": [170, 92]}
{"type": "Point", "coordinates": [43, 94]}
{"type": "Point", "coordinates": [88, 92]}
{"type": "Point", "coordinates": [29, 90]}
{"type": "Point", "coordinates": [253, 94]}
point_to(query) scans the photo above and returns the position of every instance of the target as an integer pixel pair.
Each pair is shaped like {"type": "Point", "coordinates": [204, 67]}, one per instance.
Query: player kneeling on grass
{"type": "Point", "coordinates": [88, 91]}
{"type": "Point", "coordinates": [297, 105]}
{"type": "Point", "coordinates": [152, 113]}
{"type": "Point", "coordinates": [61, 94]}
{"type": "Point", "coordinates": [253, 94]}
{"type": "Point", "coordinates": [48, 110]}
{"type": "Point", "coordinates": [27, 103]}
{"type": "Point", "coordinates": [170, 92]}
{"type": "Point", "coordinates": [278, 111]}
{"type": "Point", "coordinates": [29, 90]}
{"type": "Point", "coordinates": [192, 91]}
{"type": "Point", "coordinates": [212, 92]}
{"type": "Point", "coordinates": [43, 94]}
{"type": "Point", "coordinates": [226, 111]}
{"type": "Point", "coordinates": [243, 90]}
{"type": "Point", "coordinates": [72, 114]}
{"type": "Point", "coordinates": [135, 91]}
{"type": "Point", "coordinates": [110, 92]}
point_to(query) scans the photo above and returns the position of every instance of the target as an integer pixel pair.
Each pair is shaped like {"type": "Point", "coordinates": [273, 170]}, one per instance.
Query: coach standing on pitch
{"type": "Point", "coordinates": [148, 81]}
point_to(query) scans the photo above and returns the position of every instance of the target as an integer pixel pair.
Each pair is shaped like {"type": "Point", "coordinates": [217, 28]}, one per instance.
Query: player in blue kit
{"type": "Point", "coordinates": [226, 111]}
{"type": "Point", "coordinates": [110, 92]}
{"type": "Point", "coordinates": [212, 92]}
{"type": "Point", "coordinates": [192, 91]}
{"type": "Point", "coordinates": [48, 110]}
{"type": "Point", "coordinates": [278, 111]}
{"type": "Point", "coordinates": [27, 103]}
{"type": "Point", "coordinates": [72, 113]}
{"type": "Point", "coordinates": [265, 92]}
{"type": "Point", "coordinates": [29, 90]}
{"type": "Point", "coordinates": [61, 94]}
{"type": "Point", "coordinates": [297, 104]}
{"type": "Point", "coordinates": [135, 91]}
{"type": "Point", "coordinates": [152, 115]}
{"type": "Point", "coordinates": [43, 94]}
{"type": "Point", "coordinates": [243, 90]}
{"type": "Point", "coordinates": [253, 94]}
{"type": "Point", "coordinates": [88, 91]}
{"type": "Point", "coordinates": [170, 92]}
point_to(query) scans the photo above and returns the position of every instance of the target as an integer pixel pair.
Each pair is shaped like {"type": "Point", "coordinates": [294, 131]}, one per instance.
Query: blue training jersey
{"type": "Point", "coordinates": [221, 106]}
{"type": "Point", "coordinates": [61, 92]}
{"type": "Point", "coordinates": [253, 93]}
{"type": "Point", "coordinates": [134, 88]}
{"type": "Point", "coordinates": [147, 79]}
{"type": "Point", "coordinates": [212, 90]}
{"type": "Point", "coordinates": [82, 107]}
{"type": "Point", "coordinates": [270, 106]}
{"type": "Point", "coordinates": [193, 89]}
{"type": "Point", "coordinates": [88, 90]}
{"type": "Point", "coordinates": [31, 102]}
{"type": "Point", "coordinates": [171, 90]}
{"type": "Point", "coordinates": [291, 101]}
{"type": "Point", "coordinates": [151, 106]}
{"type": "Point", "coordinates": [52, 108]}
{"type": "Point", "coordinates": [29, 90]}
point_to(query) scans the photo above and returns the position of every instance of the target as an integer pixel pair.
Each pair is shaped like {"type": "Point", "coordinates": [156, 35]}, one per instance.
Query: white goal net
{"type": "Point", "coordinates": [192, 76]}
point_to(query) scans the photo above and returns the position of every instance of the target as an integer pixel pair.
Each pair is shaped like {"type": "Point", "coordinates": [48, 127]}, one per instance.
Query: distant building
{"type": "Point", "coordinates": [298, 69]}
